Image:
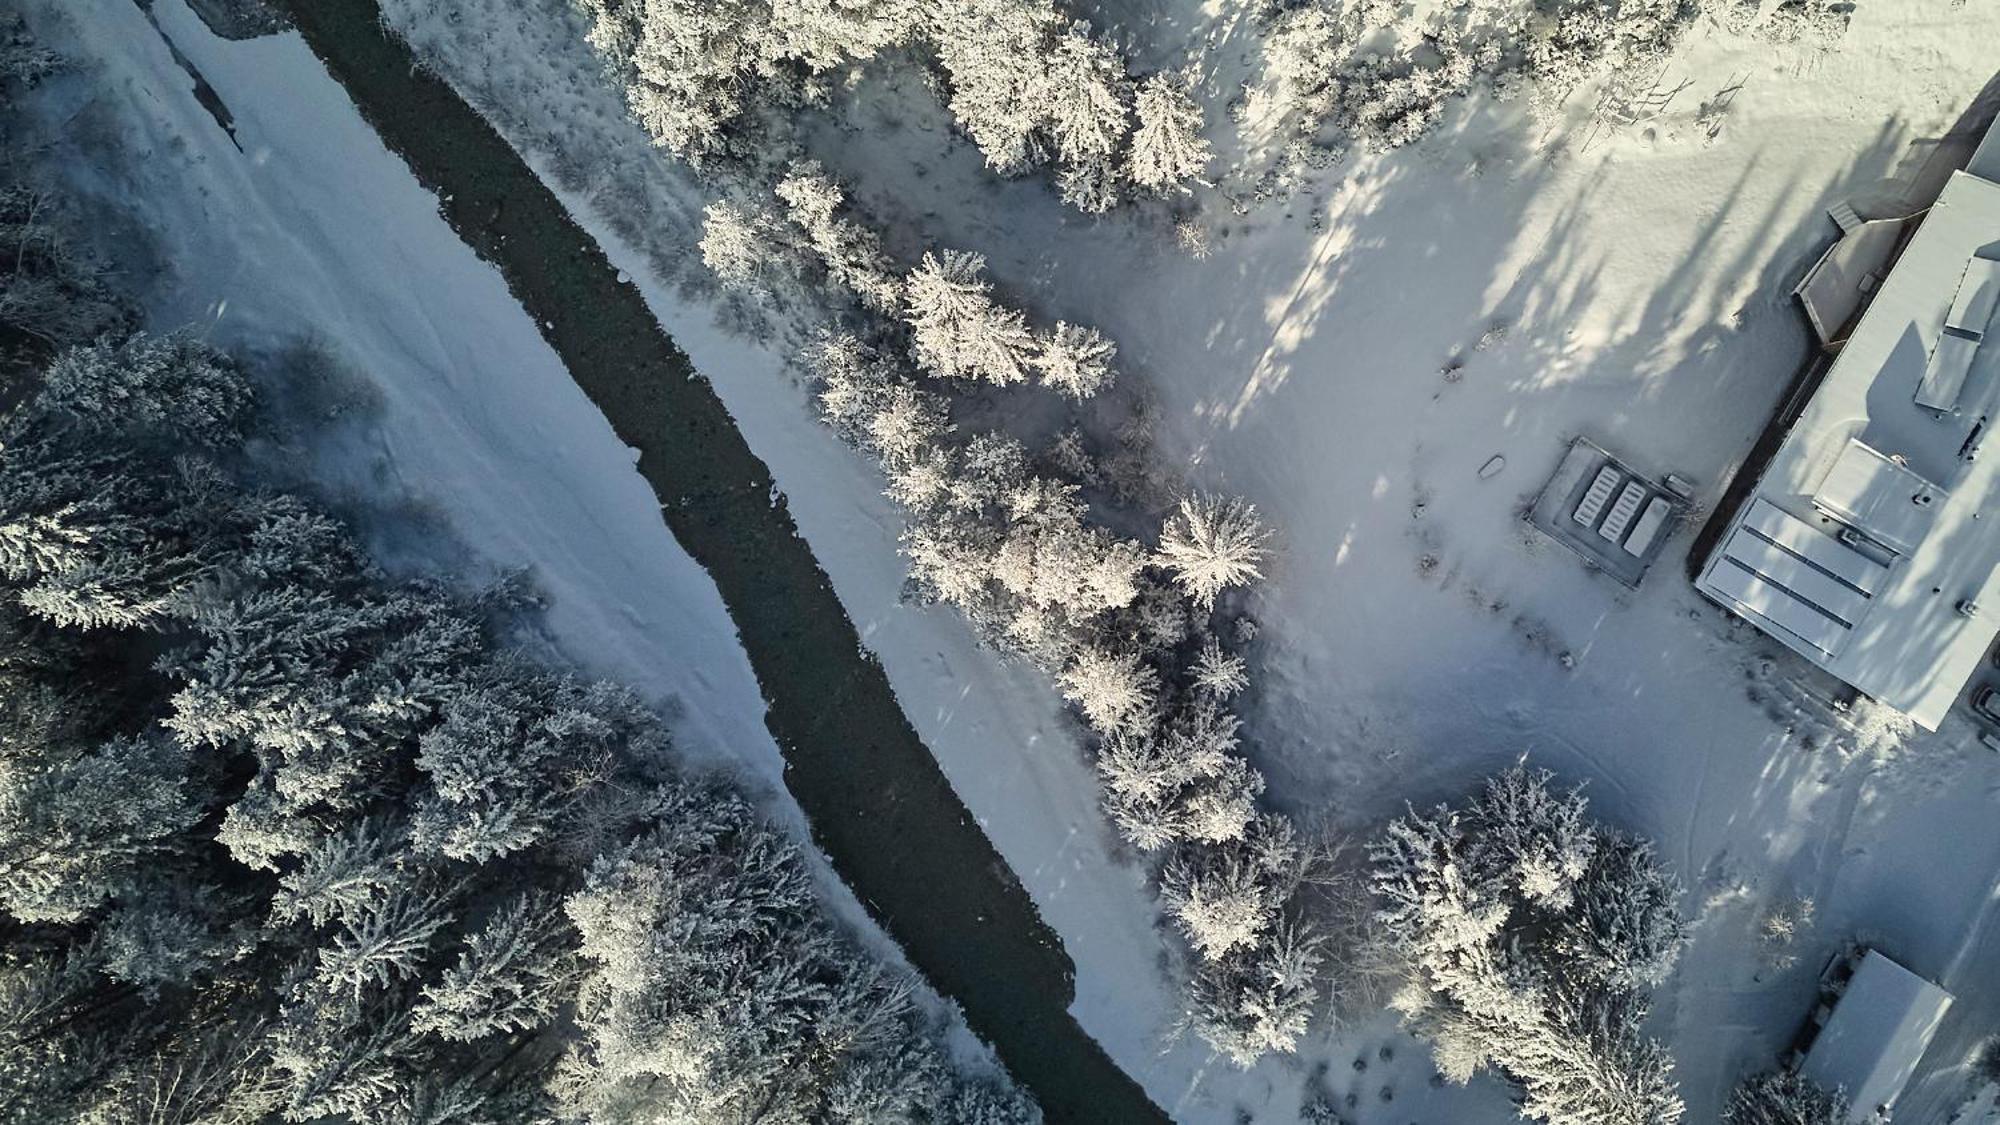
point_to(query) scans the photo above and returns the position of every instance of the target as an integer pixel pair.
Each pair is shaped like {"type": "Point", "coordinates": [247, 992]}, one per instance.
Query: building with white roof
{"type": "Point", "coordinates": [1877, 1033]}
{"type": "Point", "coordinates": [1871, 542]}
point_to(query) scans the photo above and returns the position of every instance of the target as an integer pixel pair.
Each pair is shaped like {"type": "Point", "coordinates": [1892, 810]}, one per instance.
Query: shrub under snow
{"type": "Point", "coordinates": [1784, 1097]}
{"type": "Point", "coordinates": [716, 82]}
{"type": "Point", "coordinates": [1384, 73]}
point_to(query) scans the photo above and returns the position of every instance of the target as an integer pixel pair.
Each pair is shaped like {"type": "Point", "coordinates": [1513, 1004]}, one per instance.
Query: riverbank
{"type": "Point", "coordinates": [875, 799]}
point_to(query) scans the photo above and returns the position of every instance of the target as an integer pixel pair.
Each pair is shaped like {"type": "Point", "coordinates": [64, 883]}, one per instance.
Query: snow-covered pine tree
{"type": "Point", "coordinates": [507, 757]}
{"type": "Point", "coordinates": [1477, 926]}
{"type": "Point", "coordinates": [736, 245]}
{"type": "Point", "coordinates": [1255, 1002]}
{"type": "Point", "coordinates": [1086, 97]}
{"type": "Point", "coordinates": [689, 66]}
{"type": "Point", "coordinates": [1220, 899]}
{"type": "Point", "coordinates": [1075, 361]}
{"type": "Point", "coordinates": [871, 401]}
{"type": "Point", "coordinates": [168, 927]}
{"type": "Point", "coordinates": [1537, 841]}
{"type": "Point", "coordinates": [1784, 1097]}
{"type": "Point", "coordinates": [1168, 149]}
{"type": "Point", "coordinates": [1211, 544]}
{"type": "Point", "coordinates": [512, 974]}
{"type": "Point", "coordinates": [1220, 674]}
{"type": "Point", "coordinates": [995, 54]}
{"type": "Point", "coordinates": [1092, 186]}
{"type": "Point", "coordinates": [1180, 780]}
{"type": "Point", "coordinates": [851, 252]}
{"type": "Point", "coordinates": [829, 34]}
{"type": "Point", "coordinates": [341, 874]}
{"type": "Point", "coordinates": [952, 559]}
{"type": "Point", "coordinates": [1116, 691]}
{"type": "Point", "coordinates": [957, 329]}
{"type": "Point", "coordinates": [78, 829]}
{"type": "Point", "coordinates": [109, 513]}
{"type": "Point", "coordinates": [1625, 930]}
{"type": "Point", "coordinates": [341, 1060]}
{"type": "Point", "coordinates": [1063, 565]}
{"type": "Point", "coordinates": [322, 684]}
{"type": "Point", "coordinates": [173, 391]}
{"type": "Point", "coordinates": [387, 940]}
{"type": "Point", "coordinates": [703, 1032]}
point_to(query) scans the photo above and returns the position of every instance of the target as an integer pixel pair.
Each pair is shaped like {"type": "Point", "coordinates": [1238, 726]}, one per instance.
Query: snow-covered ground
{"type": "Point", "coordinates": [1415, 627]}
{"type": "Point", "coordinates": [1643, 280]}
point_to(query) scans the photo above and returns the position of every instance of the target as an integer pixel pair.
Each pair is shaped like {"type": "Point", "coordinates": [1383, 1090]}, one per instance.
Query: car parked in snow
{"type": "Point", "coordinates": [1986, 704]}
{"type": "Point", "coordinates": [1986, 709]}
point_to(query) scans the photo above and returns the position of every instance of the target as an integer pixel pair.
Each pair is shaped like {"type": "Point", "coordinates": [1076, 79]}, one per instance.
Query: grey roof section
{"type": "Point", "coordinates": [1877, 1034]}
{"type": "Point", "coordinates": [1878, 497]}
{"type": "Point", "coordinates": [1985, 161]}
{"type": "Point", "coordinates": [1911, 648]}
{"type": "Point", "coordinates": [1965, 336]}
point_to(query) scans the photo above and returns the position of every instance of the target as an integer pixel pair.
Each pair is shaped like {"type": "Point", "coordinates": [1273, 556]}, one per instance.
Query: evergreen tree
{"type": "Point", "coordinates": [78, 830]}
{"type": "Point", "coordinates": [1784, 1097]}
{"type": "Point", "coordinates": [506, 757]}
{"type": "Point", "coordinates": [851, 253]}
{"type": "Point", "coordinates": [1076, 361]}
{"type": "Point", "coordinates": [1116, 691]}
{"type": "Point", "coordinates": [957, 330]}
{"type": "Point", "coordinates": [1211, 544]}
{"type": "Point", "coordinates": [1167, 149]}
{"type": "Point", "coordinates": [511, 975]}
{"type": "Point", "coordinates": [995, 54]}
{"type": "Point", "coordinates": [1086, 97]}
{"type": "Point", "coordinates": [1515, 959]}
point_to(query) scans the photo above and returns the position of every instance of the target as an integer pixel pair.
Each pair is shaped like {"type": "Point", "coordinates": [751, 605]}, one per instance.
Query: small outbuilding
{"type": "Point", "coordinates": [1870, 1044]}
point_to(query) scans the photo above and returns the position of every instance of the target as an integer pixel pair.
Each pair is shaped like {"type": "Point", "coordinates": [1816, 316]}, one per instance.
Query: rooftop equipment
{"type": "Point", "coordinates": [1965, 327]}
{"type": "Point", "coordinates": [1879, 497]}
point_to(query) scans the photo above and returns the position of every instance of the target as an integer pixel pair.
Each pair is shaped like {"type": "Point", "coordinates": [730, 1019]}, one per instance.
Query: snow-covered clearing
{"type": "Point", "coordinates": [1643, 282]}
{"type": "Point", "coordinates": [1414, 629]}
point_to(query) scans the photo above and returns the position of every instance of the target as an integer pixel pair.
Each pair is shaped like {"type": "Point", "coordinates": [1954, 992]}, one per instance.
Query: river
{"type": "Point", "coordinates": [878, 804]}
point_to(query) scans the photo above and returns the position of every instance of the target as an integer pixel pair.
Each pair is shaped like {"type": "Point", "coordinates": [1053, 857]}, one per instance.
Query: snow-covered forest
{"type": "Point", "coordinates": [1162, 387]}
{"type": "Point", "coordinates": [284, 837]}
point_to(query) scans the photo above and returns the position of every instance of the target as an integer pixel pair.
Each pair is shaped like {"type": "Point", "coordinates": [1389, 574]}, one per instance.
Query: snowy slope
{"type": "Point", "coordinates": [317, 231]}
